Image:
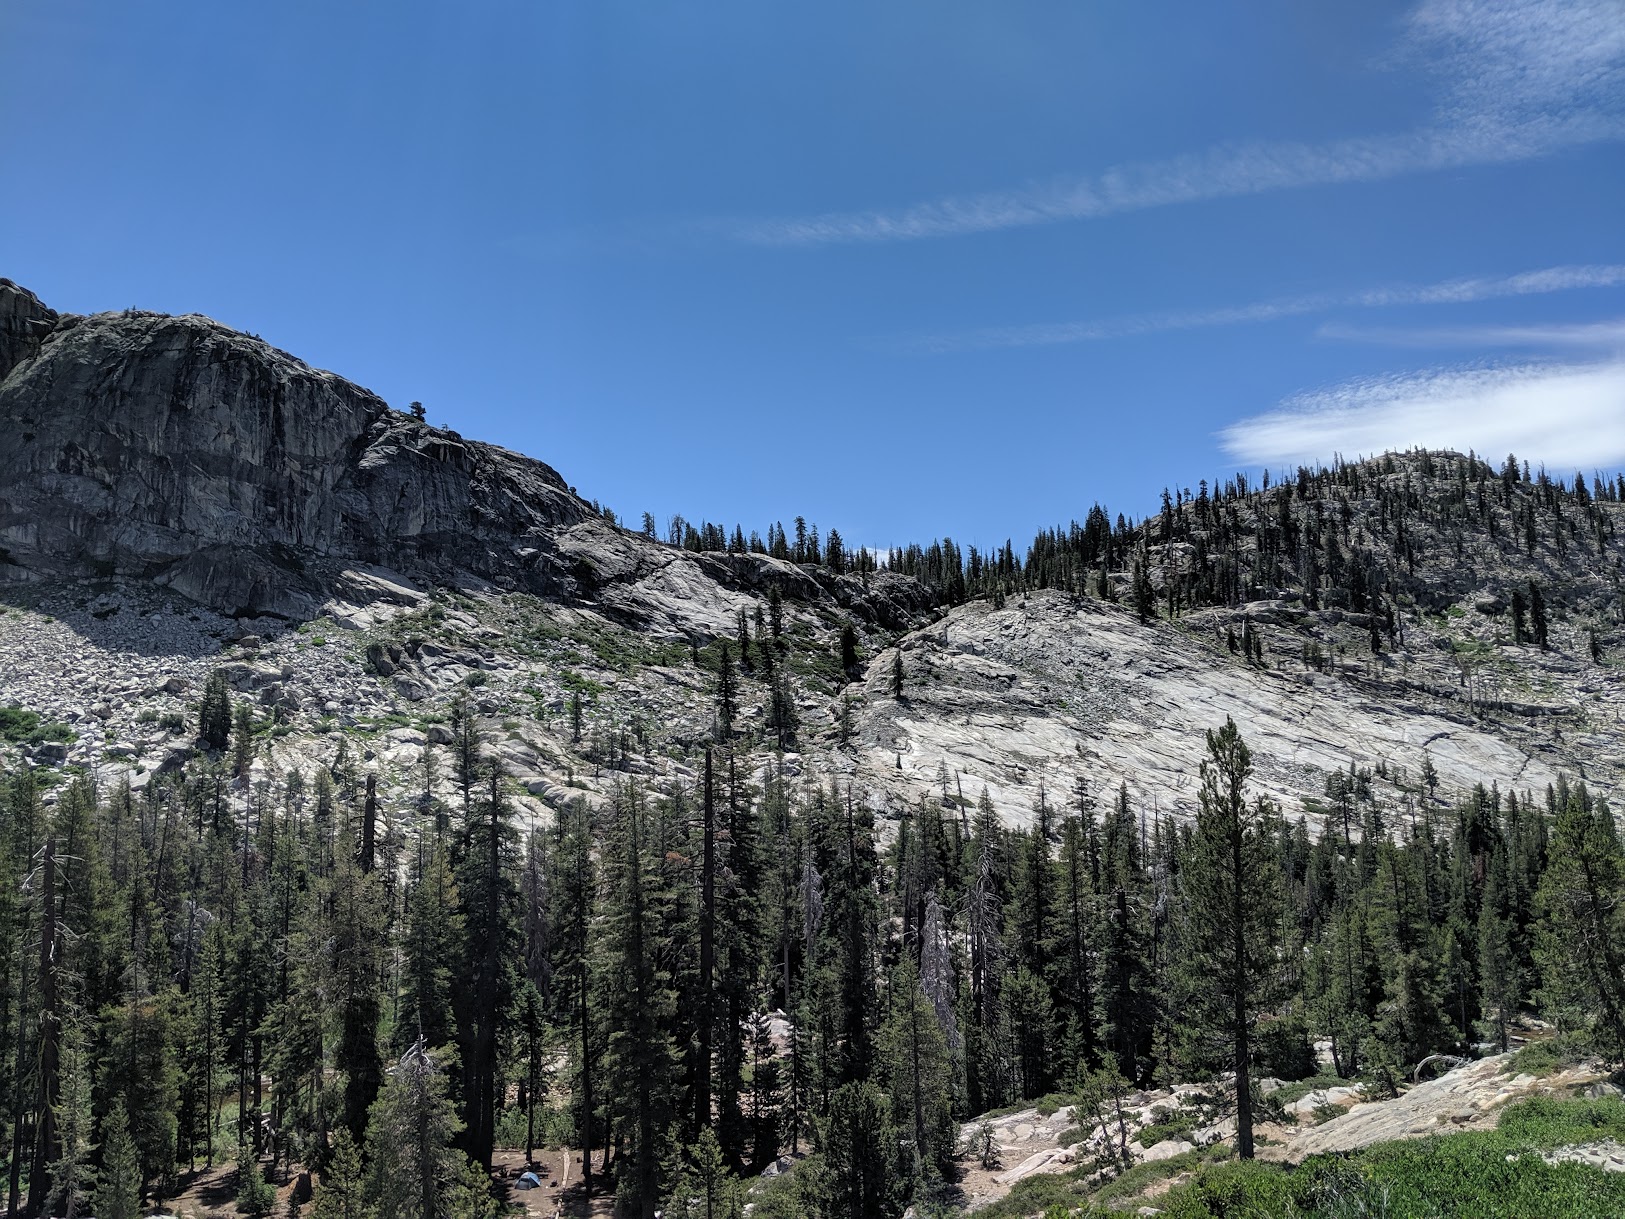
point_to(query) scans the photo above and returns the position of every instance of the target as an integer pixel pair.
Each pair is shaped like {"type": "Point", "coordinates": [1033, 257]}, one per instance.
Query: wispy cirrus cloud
{"type": "Point", "coordinates": [1446, 292]}
{"type": "Point", "coordinates": [1565, 415]}
{"type": "Point", "coordinates": [1517, 78]}
{"type": "Point", "coordinates": [1606, 335]}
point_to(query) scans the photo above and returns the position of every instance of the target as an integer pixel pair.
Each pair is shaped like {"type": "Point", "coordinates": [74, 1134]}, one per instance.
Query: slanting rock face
{"type": "Point", "coordinates": [178, 450]}
{"type": "Point", "coordinates": [1031, 698]}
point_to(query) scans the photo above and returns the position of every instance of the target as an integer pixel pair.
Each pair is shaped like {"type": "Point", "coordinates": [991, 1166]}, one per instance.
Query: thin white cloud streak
{"type": "Point", "coordinates": [1447, 292]}
{"type": "Point", "coordinates": [1567, 416]}
{"type": "Point", "coordinates": [1519, 79]}
{"type": "Point", "coordinates": [1599, 336]}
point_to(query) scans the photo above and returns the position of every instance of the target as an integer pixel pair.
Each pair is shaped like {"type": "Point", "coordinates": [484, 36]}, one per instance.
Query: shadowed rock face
{"type": "Point", "coordinates": [176, 449]}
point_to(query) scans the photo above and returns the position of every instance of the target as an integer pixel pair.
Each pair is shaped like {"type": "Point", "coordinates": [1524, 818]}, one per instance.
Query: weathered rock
{"type": "Point", "coordinates": [1038, 695]}
{"type": "Point", "coordinates": [178, 450]}
{"type": "Point", "coordinates": [1167, 1149]}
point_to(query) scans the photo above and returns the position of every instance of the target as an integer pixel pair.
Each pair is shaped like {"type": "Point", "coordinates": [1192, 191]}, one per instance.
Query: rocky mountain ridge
{"type": "Point", "coordinates": [177, 497]}
{"type": "Point", "coordinates": [178, 451]}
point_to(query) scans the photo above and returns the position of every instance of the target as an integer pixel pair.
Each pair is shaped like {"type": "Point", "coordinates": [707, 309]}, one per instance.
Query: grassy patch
{"type": "Point", "coordinates": [622, 651]}
{"type": "Point", "coordinates": [1545, 1122]}
{"type": "Point", "coordinates": [1135, 1181]}
{"type": "Point", "coordinates": [1548, 1056]}
{"type": "Point", "coordinates": [1496, 1174]}
{"type": "Point", "coordinates": [1036, 1194]}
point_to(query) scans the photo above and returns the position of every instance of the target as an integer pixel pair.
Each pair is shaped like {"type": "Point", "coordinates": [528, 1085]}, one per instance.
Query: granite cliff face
{"type": "Point", "coordinates": [177, 450]}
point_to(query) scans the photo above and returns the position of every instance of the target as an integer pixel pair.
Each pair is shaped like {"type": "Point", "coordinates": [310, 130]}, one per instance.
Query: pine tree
{"type": "Point", "coordinates": [1537, 613]}
{"type": "Point", "coordinates": [1129, 1001]}
{"type": "Point", "coordinates": [471, 1196]}
{"type": "Point", "coordinates": [1145, 596]}
{"type": "Point", "coordinates": [640, 1008]}
{"type": "Point", "coordinates": [727, 695]}
{"type": "Point", "coordinates": [73, 1180]}
{"type": "Point", "coordinates": [1230, 884]}
{"type": "Point", "coordinates": [413, 1169]}
{"type": "Point", "coordinates": [341, 1191]}
{"type": "Point", "coordinates": [705, 1188]}
{"type": "Point", "coordinates": [433, 943]}
{"type": "Point", "coordinates": [575, 906]}
{"type": "Point", "coordinates": [255, 1195]}
{"type": "Point", "coordinates": [214, 714]}
{"type": "Point", "coordinates": [118, 1192]}
{"type": "Point", "coordinates": [897, 673]}
{"type": "Point", "coordinates": [775, 612]}
{"type": "Point", "coordinates": [849, 649]}
{"type": "Point", "coordinates": [1410, 1021]}
{"type": "Point", "coordinates": [743, 636]}
{"type": "Point", "coordinates": [487, 975]}
{"type": "Point", "coordinates": [242, 739]}
{"type": "Point", "coordinates": [1077, 918]}
{"type": "Point", "coordinates": [1498, 969]}
{"type": "Point", "coordinates": [859, 1180]}
{"type": "Point", "coordinates": [921, 1075]}
{"type": "Point", "coordinates": [985, 1074]}
{"type": "Point", "coordinates": [1582, 923]}
{"type": "Point", "coordinates": [356, 945]}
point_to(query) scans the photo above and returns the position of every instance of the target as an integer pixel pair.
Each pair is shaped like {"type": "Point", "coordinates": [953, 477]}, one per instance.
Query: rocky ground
{"type": "Point", "coordinates": [122, 667]}
{"type": "Point", "coordinates": [1332, 1119]}
{"type": "Point", "coordinates": [1030, 697]}
{"type": "Point", "coordinates": [1051, 688]}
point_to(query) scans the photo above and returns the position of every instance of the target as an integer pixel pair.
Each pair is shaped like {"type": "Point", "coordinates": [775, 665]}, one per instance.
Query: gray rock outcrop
{"type": "Point", "coordinates": [177, 450]}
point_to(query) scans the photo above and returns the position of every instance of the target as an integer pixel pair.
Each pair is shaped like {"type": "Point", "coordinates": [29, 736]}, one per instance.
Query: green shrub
{"type": "Point", "coordinates": [1284, 1050]}
{"type": "Point", "coordinates": [1545, 1121]}
{"type": "Point", "coordinates": [1495, 1174]}
{"type": "Point", "coordinates": [1034, 1195]}
{"type": "Point", "coordinates": [16, 724]}
{"type": "Point", "coordinates": [254, 1193]}
{"type": "Point", "coordinates": [51, 732]}
{"type": "Point", "coordinates": [1301, 1088]}
{"type": "Point", "coordinates": [1487, 1175]}
{"type": "Point", "coordinates": [1176, 1126]}
{"type": "Point", "coordinates": [1549, 1055]}
{"type": "Point", "coordinates": [1049, 1103]}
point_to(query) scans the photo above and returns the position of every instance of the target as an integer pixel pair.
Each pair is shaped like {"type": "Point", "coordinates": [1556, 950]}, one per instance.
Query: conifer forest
{"type": "Point", "coordinates": [747, 980]}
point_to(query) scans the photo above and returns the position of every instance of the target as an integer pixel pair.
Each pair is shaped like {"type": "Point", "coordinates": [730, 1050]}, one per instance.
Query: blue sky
{"type": "Point", "coordinates": [907, 269]}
